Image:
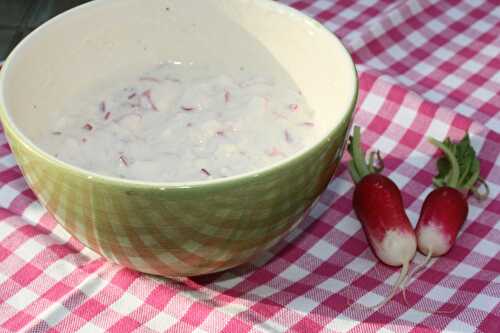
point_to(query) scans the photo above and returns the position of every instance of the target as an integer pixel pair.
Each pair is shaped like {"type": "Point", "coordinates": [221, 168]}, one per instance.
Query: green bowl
{"type": "Point", "coordinates": [176, 229]}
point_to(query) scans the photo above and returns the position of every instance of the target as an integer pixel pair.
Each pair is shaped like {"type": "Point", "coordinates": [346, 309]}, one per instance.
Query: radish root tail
{"type": "Point", "coordinates": [402, 276]}
{"type": "Point", "coordinates": [417, 269]}
{"type": "Point", "coordinates": [413, 273]}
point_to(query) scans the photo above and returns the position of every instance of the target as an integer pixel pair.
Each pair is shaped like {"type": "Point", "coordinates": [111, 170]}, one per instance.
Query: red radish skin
{"type": "Point", "coordinates": [102, 106]}
{"type": "Point", "coordinates": [147, 94]}
{"type": "Point", "coordinates": [150, 79]}
{"type": "Point", "coordinates": [443, 213]}
{"type": "Point", "coordinates": [379, 207]}
{"type": "Point", "coordinates": [275, 152]}
{"type": "Point", "coordinates": [124, 160]}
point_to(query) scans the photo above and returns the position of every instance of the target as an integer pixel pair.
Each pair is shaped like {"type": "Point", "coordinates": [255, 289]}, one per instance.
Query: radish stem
{"type": "Point", "coordinates": [465, 173]}
{"type": "Point", "coordinates": [358, 156]}
{"type": "Point", "coordinates": [358, 166]}
{"type": "Point", "coordinates": [354, 173]}
{"type": "Point", "coordinates": [473, 179]}
{"type": "Point", "coordinates": [370, 161]}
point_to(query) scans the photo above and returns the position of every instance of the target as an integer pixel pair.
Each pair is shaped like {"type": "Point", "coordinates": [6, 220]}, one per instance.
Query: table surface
{"type": "Point", "coordinates": [426, 68]}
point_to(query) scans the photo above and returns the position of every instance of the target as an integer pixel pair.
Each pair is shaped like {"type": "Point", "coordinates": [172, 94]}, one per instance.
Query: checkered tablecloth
{"type": "Point", "coordinates": [426, 67]}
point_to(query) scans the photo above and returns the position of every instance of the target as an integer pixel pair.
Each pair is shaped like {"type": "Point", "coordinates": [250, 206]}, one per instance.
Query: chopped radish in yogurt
{"type": "Point", "coordinates": [182, 122]}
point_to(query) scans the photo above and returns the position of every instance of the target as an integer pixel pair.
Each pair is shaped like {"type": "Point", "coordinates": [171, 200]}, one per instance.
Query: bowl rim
{"type": "Point", "coordinates": [9, 124]}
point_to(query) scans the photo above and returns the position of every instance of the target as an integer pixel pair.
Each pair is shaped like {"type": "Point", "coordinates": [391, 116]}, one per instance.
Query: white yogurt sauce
{"type": "Point", "coordinates": [182, 122]}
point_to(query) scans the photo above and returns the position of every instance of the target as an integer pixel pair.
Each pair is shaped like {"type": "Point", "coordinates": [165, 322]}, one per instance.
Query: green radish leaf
{"type": "Point", "coordinates": [467, 168]}
{"type": "Point", "coordinates": [447, 142]}
{"type": "Point", "coordinates": [465, 155]}
{"type": "Point", "coordinates": [443, 166]}
{"type": "Point", "coordinates": [468, 165]}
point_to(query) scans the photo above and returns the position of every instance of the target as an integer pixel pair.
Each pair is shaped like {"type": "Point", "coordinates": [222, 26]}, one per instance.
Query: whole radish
{"type": "Point", "coordinates": [445, 209]}
{"type": "Point", "coordinates": [378, 205]}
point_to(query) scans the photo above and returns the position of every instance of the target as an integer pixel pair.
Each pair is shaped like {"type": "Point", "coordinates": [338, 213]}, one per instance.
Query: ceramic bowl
{"type": "Point", "coordinates": [176, 229]}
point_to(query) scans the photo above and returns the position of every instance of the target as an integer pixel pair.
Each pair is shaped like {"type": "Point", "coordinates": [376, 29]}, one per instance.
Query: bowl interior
{"type": "Point", "coordinates": [92, 42]}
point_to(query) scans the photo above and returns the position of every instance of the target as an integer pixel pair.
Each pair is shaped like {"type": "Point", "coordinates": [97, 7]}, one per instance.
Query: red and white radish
{"type": "Point", "coordinates": [378, 205]}
{"type": "Point", "coordinates": [443, 213]}
{"type": "Point", "coordinates": [445, 209]}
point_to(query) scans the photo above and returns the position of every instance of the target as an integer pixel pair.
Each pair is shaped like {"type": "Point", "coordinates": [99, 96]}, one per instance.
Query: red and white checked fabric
{"type": "Point", "coordinates": [427, 68]}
